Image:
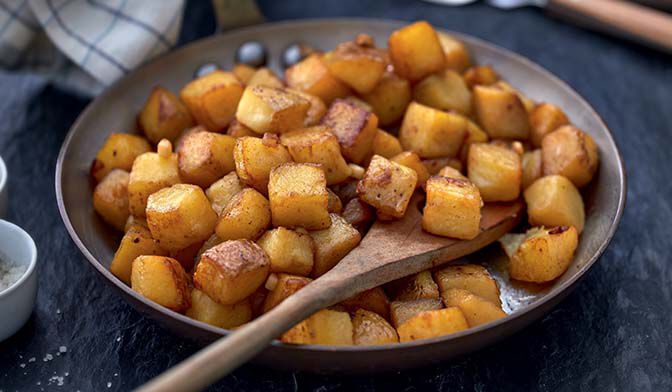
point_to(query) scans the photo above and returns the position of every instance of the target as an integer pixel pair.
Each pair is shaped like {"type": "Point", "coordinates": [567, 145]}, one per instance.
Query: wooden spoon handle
{"type": "Point", "coordinates": [621, 18]}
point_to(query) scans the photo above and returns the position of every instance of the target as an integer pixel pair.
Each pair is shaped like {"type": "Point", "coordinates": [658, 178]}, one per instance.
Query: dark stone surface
{"type": "Point", "coordinates": [612, 333]}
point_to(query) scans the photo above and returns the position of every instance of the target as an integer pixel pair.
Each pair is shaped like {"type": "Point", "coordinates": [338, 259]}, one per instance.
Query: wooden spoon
{"type": "Point", "coordinates": [389, 251]}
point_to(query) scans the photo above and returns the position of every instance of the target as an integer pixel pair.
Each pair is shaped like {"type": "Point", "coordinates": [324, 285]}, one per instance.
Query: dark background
{"type": "Point", "coordinates": [611, 333]}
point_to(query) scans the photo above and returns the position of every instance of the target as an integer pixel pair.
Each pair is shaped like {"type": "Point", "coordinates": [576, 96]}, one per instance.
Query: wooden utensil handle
{"type": "Point", "coordinates": [621, 18]}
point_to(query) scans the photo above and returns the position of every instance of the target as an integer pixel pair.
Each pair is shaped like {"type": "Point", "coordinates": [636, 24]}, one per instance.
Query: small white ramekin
{"type": "Point", "coordinates": [17, 301]}
{"type": "Point", "coordinates": [3, 189]}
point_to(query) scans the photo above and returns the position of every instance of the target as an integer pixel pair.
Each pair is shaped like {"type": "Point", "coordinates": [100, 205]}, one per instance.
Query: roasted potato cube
{"type": "Point", "coordinates": [222, 191]}
{"type": "Point", "coordinates": [418, 286]}
{"type": "Point", "coordinates": [432, 133]}
{"type": "Point", "coordinates": [451, 172]}
{"type": "Point", "coordinates": [110, 199]}
{"type": "Point", "coordinates": [386, 145]}
{"type": "Point", "coordinates": [453, 208]}
{"type": "Point", "coordinates": [256, 157]}
{"type": "Point", "coordinates": [357, 63]}
{"type": "Point", "coordinates": [118, 152]}
{"type": "Point", "coordinates": [387, 186]}
{"type": "Point", "coordinates": [371, 329]}
{"type": "Point", "coordinates": [299, 197]}
{"type": "Point", "coordinates": [389, 98]}
{"type": "Point", "coordinates": [231, 271]}
{"type": "Point", "coordinates": [457, 56]}
{"type": "Point", "coordinates": [495, 170]}
{"type": "Point", "coordinates": [501, 113]}
{"type": "Point", "coordinates": [327, 327]}
{"type": "Point", "coordinates": [412, 160]}
{"type": "Point", "coordinates": [532, 167]}
{"type": "Point", "coordinates": [237, 129]}
{"type": "Point", "coordinates": [402, 311]}
{"type": "Point", "coordinates": [247, 216]}
{"type": "Point", "coordinates": [435, 165]}
{"type": "Point", "coordinates": [164, 116]}
{"type": "Point", "coordinates": [313, 77]}
{"type": "Point", "coordinates": [162, 280]}
{"type": "Point", "coordinates": [480, 74]}
{"type": "Point", "coordinates": [335, 205]}
{"type": "Point", "coordinates": [527, 102]}
{"type": "Point", "coordinates": [471, 277]}
{"type": "Point", "coordinates": [243, 72]}
{"type": "Point", "coordinates": [445, 91]}
{"type": "Point", "coordinates": [264, 77]}
{"type": "Point", "coordinates": [204, 157]}
{"type": "Point", "coordinates": [289, 251]}
{"type": "Point", "coordinates": [542, 254]}
{"type": "Point", "coordinates": [554, 201]}
{"type": "Point", "coordinates": [268, 109]}
{"type": "Point", "coordinates": [180, 216]}
{"type": "Point", "coordinates": [476, 310]}
{"type": "Point", "coordinates": [318, 145]}
{"type": "Point", "coordinates": [286, 286]}
{"type": "Point", "coordinates": [374, 300]}
{"type": "Point", "coordinates": [354, 127]}
{"type": "Point", "coordinates": [223, 316]}
{"type": "Point", "coordinates": [360, 103]}
{"type": "Point", "coordinates": [474, 135]}
{"type": "Point", "coordinates": [432, 323]}
{"type": "Point", "coordinates": [332, 244]}
{"type": "Point", "coordinates": [415, 51]}
{"type": "Point", "coordinates": [544, 119]}
{"type": "Point", "coordinates": [151, 172]}
{"type": "Point", "coordinates": [570, 152]}
{"type": "Point", "coordinates": [213, 98]}
{"type": "Point", "coordinates": [316, 110]}
{"type": "Point", "coordinates": [359, 214]}
{"type": "Point", "coordinates": [137, 241]}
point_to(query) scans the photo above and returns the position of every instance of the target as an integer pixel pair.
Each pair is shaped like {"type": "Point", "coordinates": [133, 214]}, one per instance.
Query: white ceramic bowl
{"type": "Point", "coordinates": [17, 301]}
{"type": "Point", "coordinates": [3, 189]}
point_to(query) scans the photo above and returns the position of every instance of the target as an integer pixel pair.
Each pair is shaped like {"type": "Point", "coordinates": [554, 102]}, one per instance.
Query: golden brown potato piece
{"type": "Point", "coordinates": [532, 167]}
{"type": "Point", "coordinates": [286, 286]}
{"type": "Point", "coordinates": [110, 199]}
{"type": "Point", "coordinates": [386, 144]}
{"type": "Point", "coordinates": [451, 172]}
{"type": "Point", "coordinates": [544, 119]}
{"type": "Point", "coordinates": [527, 102]}
{"type": "Point", "coordinates": [256, 157]}
{"type": "Point", "coordinates": [412, 160]}
{"type": "Point", "coordinates": [318, 145]}
{"type": "Point", "coordinates": [357, 63]}
{"type": "Point", "coordinates": [474, 135]}
{"type": "Point", "coordinates": [268, 109]}
{"type": "Point", "coordinates": [418, 286]}
{"type": "Point", "coordinates": [204, 309]}
{"type": "Point", "coordinates": [480, 74]}
{"type": "Point", "coordinates": [247, 216]}
{"type": "Point", "coordinates": [164, 116]}
{"type": "Point", "coordinates": [316, 110]}
{"type": "Point", "coordinates": [237, 129]}
{"type": "Point", "coordinates": [243, 72]}
{"type": "Point", "coordinates": [359, 214]}
{"type": "Point", "coordinates": [453, 208]}
{"type": "Point", "coordinates": [118, 152]}
{"type": "Point", "coordinates": [570, 152]}
{"type": "Point", "coordinates": [435, 165]}
{"type": "Point", "coordinates": [432, 323]}
{"type": "Point", "coordinates": [335, 205]}
{"type": "Point", "coordinates": [415, 51]}
{"type": "Point", "coordinates": [501, 113]}
{"type": "Point", "coordinates": [432, 133]}
{"type": "Point", "coordinates": [495, 170]}
{"type": "Point", "coordinates": [332, 244]}
{"type": "Point", "coordinates": [327, 327]}
{"type": "Point", "coordinates": [389, 98]}
{"type": "Point", "coordinates": [542, 254]}
{"type": "Point", "coordinates": [222, 191]}
{"type": "Point", "coordinates": [402, 311]}
{"type": "Point", "coordinates": [370, 329]}
{"type": "Point", "coordinates": [471, 277]}
{"type": "Point", "coordinates": [180, 216]}
{"type": "Point", "coordinates": [457, 56]}
{"type": "Point", "coordinates": [374, 300]}
{"type": "Point", "coordinates": [204, 157]}
{"type": "Point", "coordinates": [212, 99]}
{"type": "Point", "coordinates": [151, 172]}
{"type": "Point", "coordinates": [313, 77]}
{"type": "Point", "coordinates": [264, 77]}
{"type": "Point", "coordinates": [554, 201]}
{"type": "Point", "coordinates": [298, 196]}
{"type": "Point", "coordinates": [387, 186]}
{"type": "Point", "coordinates": [162, 280]}
{"type": "Point", "coordinates": [445, 91]}
{"type": "Point", "coordinates": [354, 127]}
{"type": "Point", "coordinates": [231, 271]}
{"type": "Point", "coordinates": [476, 310]}
{"type": "Point", "coordinates": [288, 250]}
{"type": "Point", "coordinates": [137, 241]}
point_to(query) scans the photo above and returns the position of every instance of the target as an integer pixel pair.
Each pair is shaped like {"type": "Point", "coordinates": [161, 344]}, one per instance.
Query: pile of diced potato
{"type": "Point", "coordinates": [245, 187]}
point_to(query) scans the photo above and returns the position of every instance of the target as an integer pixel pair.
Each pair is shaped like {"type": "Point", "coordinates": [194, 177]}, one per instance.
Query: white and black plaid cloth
{"type": "Point", "coordinates": [86, 44]}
